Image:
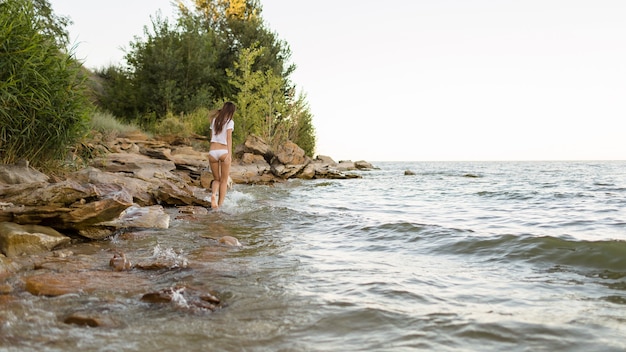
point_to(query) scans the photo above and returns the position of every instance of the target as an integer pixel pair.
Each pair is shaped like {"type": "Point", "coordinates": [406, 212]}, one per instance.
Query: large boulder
{"type": "Point", "coordinates": [142, 191]}
{"type": "Point", "coordinates": [290, 153]}
{"type": "Point", "coordinates": [63, 205]}
{"type": "Point", "coordinates": [256, 145]}
{"type": "Point", "coordinates": [16, 240]}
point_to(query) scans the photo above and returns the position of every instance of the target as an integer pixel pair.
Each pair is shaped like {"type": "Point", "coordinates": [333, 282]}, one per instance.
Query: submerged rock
{"type": "Point", "coordinates": [92, 319]}
{"type": "Point", "coordinates": [56, 284]}
{"type": "Point", "coordinates": [184, 297]}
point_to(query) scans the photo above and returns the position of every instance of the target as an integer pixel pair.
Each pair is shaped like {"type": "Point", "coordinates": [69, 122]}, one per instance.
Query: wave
{"type": "Point", "coordinates": [604, 255]}
{"type": "Point", "coordinates": [609, 254]}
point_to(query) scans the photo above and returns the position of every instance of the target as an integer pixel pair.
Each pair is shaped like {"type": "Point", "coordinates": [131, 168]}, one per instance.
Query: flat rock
{"type": "Point", "coordinates": [16, 240]}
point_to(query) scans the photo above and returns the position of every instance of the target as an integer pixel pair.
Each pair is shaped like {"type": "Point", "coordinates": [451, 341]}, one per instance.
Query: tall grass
{"type": "Point", "coordinates": [196, 122]}
{"type": "Point", "coordinates": [109, 126]}
{"type": "Point", "coordinates": [43, 105]}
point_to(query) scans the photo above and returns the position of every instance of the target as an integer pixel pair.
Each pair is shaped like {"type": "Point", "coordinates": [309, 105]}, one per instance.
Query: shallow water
{"type": "Point", "coordinates": [486, 256]}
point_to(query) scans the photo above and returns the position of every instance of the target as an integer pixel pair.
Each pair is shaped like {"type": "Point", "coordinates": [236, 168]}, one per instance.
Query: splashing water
{"type": "Point", "coordinates": [178, 298]}
{"type": "Point", "coordinates": [177, 260]}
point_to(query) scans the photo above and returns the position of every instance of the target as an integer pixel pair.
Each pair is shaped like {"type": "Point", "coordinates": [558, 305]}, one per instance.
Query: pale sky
{"type": "Point", "coordinates": [416, 80]}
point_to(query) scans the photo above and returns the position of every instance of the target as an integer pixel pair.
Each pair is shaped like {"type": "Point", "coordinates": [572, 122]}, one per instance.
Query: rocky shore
{"type": "Point", "coordinates": [133, 182]}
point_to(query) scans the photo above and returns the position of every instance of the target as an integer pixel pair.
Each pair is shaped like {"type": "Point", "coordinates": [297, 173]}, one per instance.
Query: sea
{"type": "Point", "coordinates": [411, 256]}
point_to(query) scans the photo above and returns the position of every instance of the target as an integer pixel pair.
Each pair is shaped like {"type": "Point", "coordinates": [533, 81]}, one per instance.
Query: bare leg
{"type": "Point", "coordinates": [215, 184]}
{"type": "Point", "coordinates": [224, 173]}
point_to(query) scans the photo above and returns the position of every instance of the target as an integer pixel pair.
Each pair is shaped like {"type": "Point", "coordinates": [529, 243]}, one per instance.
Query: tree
{"type": "Point", "coordinates": [247, 82]}
{"type": "Point", "coordinates": [265, 110]}
{"type": "Point", "coordinates": [43, 103]}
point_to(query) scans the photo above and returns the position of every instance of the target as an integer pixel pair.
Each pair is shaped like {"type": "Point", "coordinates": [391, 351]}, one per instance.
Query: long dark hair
{"type": "Point", "coordinates": [224, 115]}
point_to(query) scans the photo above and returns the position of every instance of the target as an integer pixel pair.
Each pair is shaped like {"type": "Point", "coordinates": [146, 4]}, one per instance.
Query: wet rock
{"type": "Point", "coordinates": [56, 284]}
{"type": "Point", "coordinates": [225, 240]}
{"type": "Point", "coordinates": [18, 240]}
{"type": "Point", "coordinates": [92, 319]}
{"type": "Point", "coordinates": [229, 241]}
{"type": "Point", "coordinates": [184, 297]}
{"type": "Point", "coordinates": [152, 217]}
{"type": "Point", "coordinates": [193, 210]}
{"type": "Point", "coordinates": [119, 262]}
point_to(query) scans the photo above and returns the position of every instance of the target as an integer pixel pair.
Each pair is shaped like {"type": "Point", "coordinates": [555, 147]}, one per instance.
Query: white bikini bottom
{"type": "Point", "coordinates": [217, 153]}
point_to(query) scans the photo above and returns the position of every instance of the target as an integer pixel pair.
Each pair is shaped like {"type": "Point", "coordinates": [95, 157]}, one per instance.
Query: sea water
{"type": "Point", "coordinates": [459, 256]}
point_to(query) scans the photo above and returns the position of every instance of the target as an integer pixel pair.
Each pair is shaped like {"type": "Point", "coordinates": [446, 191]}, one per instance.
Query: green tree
{"type": "Point", "coordinates": [247, 82]}
{"type": "Point", "coordinates": [265, 110]}
{"type": "Point", "coordinates": [43, 104]}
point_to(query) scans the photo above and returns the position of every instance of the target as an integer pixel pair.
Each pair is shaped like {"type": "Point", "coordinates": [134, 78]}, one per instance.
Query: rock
{"type": "Point", "coordinates": [255, 145]}
{"type": "Point", "coordinates": [119, 262]}
{"type": "Point", "coordinates": [142, 191]}
{"type": "Point", "coordinates": [56, 284]}
{"type": "Point", "coordinates": [64, 205]}
{"type": "Point", "coordinates": [92, 319]}
{"type": "Point", "coordinates": [184, 297]}
{"type": "Point", "coordinates": [188, 158]}
{"type": "Point", "coordinates": [363, 165]}
{"type": "Point", "coordinates": [140, 166]}
{"type": "Point", "coordinates": [172, 194]}
{"type": "Point", "coordinates": [409, 173]}
{"type": "Point", "coordinates": [114, 201]}
{"type": "Point", "coordinates": [229, 241]}
{"type": "Point", "coordinates": [308, 172]}
{"type": "Point", "coordinates": [345, 165]}
{"type": "Point", "coordinates": [18, 240]}
{"type": "Point", "coordinates": [152, 217]}
{"type": "Point", "coordinates": [193, 210]}
{"type": "Point", "coordinates": [256, 172]}
{"type": "Point", "coordinates": [286, 171]}
{"type": "Point", "coordinates": [290, 153]}
{"type": "Point", "coordinates": [325, 160]}
{"type": "Point", "coordinates": [57, 194]}
{"type": "Point", "coordinates": [20, 173]}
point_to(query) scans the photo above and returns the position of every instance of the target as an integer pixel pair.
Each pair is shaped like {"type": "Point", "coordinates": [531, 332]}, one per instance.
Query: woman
{"type": "Point", "coordinates": [222, 126]}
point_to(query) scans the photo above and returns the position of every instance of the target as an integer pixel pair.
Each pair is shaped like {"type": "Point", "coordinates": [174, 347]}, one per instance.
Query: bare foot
{"type": "Point", "coordinates": [213, 201]}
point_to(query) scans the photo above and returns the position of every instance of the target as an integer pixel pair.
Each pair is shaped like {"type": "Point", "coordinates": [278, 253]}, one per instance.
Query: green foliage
{"type": "Point", "coordinates": [185, 125]}
{"type": "Point", "coordinates": [43, 104]}
{"type": "Point", "coordinates": [109, 126]}
{"type": "Point", "coordinates": [117, 94]}
{"type": "Point", "coordinates": [219, 50]}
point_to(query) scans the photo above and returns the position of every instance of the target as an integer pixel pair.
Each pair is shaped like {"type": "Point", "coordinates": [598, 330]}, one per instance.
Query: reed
{"type": "Point", "coordinates": [44, 109]}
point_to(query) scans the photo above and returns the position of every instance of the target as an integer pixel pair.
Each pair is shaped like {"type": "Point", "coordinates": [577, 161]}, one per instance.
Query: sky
{"type": "Point", "coordinates": [430, 80]}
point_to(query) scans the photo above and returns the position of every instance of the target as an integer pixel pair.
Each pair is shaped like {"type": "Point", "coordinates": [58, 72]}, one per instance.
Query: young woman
{"type": "Point", "coordinates": [222, 126]}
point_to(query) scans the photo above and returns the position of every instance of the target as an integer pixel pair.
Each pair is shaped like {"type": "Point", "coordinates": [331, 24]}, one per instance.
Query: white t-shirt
{"type": "Point", "coordinates": [221, 138]}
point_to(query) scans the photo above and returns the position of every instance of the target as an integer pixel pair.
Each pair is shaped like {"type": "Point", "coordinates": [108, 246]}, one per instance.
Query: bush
{"type": "Point", "coordinates": [109, 126]}
{"type": "Point", "coordinates": [43, 104]}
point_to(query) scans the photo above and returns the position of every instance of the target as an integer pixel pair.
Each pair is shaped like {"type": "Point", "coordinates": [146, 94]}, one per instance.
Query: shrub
{"type": "Point", "coordinates": [43, 105]}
